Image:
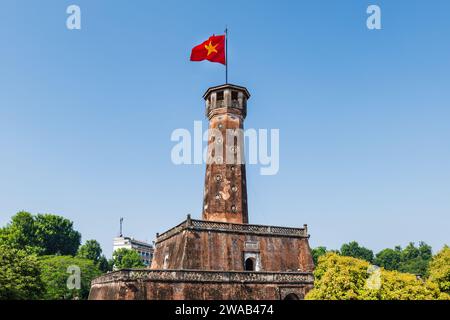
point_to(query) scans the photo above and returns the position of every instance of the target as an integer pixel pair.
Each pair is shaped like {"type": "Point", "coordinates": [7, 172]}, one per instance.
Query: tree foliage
{"type": "Point", "coordinates": [20, 276]}
{"type": "Point", "coordinates": [104, 264]}
{"type": "Point", "coordinates": [353, 249]}
{"type": "Point", "coordinates": [389, 258]}
{"type": "Point", "coordinates": [415, 260]}
{"type": "Point", "coordinates": [126, 258]}
{"type": "Point", "coordinates": [92, 250]}
{"type": "Point", "coordinates": [56, 235]}
{"type": "Point", "coordinates": [318, 252]}
{"type": "Point", "coordinates": [338, 278]}
{"type": "Point", "coordinates": [43, 234]}
{"type": "Point", "coordinates": [20, 233]}
{"type": "Point", "coordinates": [346, 278]}
{"type": "Point", "coordinates": [405, 286]}
{"type": "Point", "coordinates": [440, 269]}
{"type": "Point", "coordinates": [35, 252]}
{"type": "Point", "coordinates": [411, 259]}
{"type": "Point", "coordinates": [55, 274]}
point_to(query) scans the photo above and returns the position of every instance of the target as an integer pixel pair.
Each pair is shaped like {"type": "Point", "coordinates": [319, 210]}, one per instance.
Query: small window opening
{"type": "Point", "coordinates": [249, 265]}
{"type": "Point", "coordinates": [291, 296]}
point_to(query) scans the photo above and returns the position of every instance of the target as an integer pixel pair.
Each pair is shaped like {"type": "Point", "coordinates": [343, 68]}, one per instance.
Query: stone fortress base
{"type": "Point", "coordinates": [191, 262]}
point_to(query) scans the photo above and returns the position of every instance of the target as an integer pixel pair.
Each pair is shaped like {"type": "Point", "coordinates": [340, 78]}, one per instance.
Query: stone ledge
{"type": "Point", "coordinates": [201, 225]}
{"type": "Point", "coordinates": [127, 275]}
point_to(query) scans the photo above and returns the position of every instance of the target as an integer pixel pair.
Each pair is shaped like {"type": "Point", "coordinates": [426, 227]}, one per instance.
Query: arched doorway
{"type": "Point", "coordinates": [291, 296]}
{"type": "Point", "coordinates": [249, 264]}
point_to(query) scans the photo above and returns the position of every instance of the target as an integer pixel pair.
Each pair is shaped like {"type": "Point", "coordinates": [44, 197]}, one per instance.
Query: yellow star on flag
{"type": "Point", "coordinates": [210, 48]}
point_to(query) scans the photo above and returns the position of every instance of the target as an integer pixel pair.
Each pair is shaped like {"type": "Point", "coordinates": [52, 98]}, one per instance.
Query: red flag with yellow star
{"type": "Point", "coordinates": [212, 50]}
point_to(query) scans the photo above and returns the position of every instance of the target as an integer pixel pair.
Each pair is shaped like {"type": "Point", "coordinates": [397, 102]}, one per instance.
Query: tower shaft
{"type": "Point", "coordinates": [225, 194]}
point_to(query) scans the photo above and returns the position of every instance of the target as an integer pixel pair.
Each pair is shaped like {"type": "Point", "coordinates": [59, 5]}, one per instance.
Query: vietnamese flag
{"type": "Point", "coordinates": [212, 50]}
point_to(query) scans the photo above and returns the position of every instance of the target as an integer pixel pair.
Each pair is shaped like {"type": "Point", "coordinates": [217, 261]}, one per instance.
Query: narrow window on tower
{"type": "Point", "coordinates": [234, 95]}
{"type": "Point", "coordinates": [219, 95]}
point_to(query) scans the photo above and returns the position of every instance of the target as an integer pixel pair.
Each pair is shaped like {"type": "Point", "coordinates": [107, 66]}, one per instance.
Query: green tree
{"type": "Point", "coordinates": [20, 276]}
{"type": "Point", "coordinates": [440, 269]}
{"type": "Point", "coordinates": [415, 260]}
{"type": "Point", "coordinates": [55, 274]}
{"type": "Point", "coordinates": [412, 252]}
{"type": "Point", "coordinates": [126, 258]}
{"type": "Point", "coordinates": [318, 252]}
{"type": "Point", "coordinates": [346, 278]}
{"type": "Point", "coordinates": [42, 234]}
{"type": "Point", "coordinates": [56, 235]}
{"type": "Point", "coordinates": [20, 233]}
{"type": "Point", "coordinates": [104, 265]}
{"type": "Point", "coordinates": [389, 258]}
{"type": "Point", "coordinates": [92, 250]}
{"type": "Point", "coordinates": [411, 259]}
{"type": "Point", "coordinates": [353, 249]}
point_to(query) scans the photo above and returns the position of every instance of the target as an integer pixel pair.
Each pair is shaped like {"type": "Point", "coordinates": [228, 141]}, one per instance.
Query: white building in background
{"type": "Point", "coordinates": [144, 249]}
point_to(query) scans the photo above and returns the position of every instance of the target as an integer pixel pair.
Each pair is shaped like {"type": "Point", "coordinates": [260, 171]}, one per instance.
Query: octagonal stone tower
{"type": "Point", "coordinates": [221, 256]}
{"type": "Point", "coordinates": [225, 194]}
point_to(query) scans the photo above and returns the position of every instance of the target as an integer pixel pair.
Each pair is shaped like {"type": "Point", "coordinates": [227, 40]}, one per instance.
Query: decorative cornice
{"type": "Point", "coordinates": [226, 86]}
{"type": "Point", "coordinates": [128, 275]}
{"type": "Point", "coordinates": [202, 225]}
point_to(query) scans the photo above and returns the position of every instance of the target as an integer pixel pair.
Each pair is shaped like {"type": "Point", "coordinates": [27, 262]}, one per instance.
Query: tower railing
{"type": "Point", "coordinates": [232, 227]}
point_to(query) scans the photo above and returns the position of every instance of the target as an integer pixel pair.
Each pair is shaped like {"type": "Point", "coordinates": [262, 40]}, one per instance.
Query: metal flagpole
{"type": "Point", "coordinates": [226, 55]}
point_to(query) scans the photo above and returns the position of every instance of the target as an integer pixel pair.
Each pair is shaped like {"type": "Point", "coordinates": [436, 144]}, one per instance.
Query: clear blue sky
{"type": "Point", "coordinates": [86, 116]}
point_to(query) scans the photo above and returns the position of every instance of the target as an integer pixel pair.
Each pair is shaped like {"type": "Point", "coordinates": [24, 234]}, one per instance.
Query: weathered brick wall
{"type": "Point", "coordinates": [193, 291]}
{"type": "Point", "coordinates": [178, 285]}
{"type": "Point", "coordinates": [217, 250]}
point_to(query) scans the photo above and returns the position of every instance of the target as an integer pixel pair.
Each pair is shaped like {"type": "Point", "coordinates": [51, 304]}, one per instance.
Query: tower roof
{"type": "Point", "coordinates": [227, 86]}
